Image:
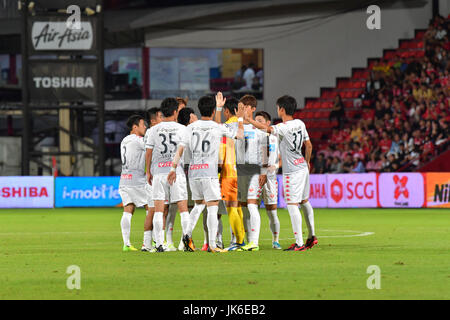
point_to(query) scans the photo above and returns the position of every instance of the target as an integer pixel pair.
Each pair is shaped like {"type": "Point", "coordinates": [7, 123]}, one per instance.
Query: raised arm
{"type": "Point", "coordinates": [258, 125]}
{"type": "Point", "coordinates": [220, 102]}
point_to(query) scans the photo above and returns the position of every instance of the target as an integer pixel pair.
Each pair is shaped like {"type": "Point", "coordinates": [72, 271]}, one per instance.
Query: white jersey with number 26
{"type": "Point", "coordinates": [291, 135]}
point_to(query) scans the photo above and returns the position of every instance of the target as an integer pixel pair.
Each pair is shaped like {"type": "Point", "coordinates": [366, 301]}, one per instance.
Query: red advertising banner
{"type": "Point", "coordinates": [401, 190]}
{"type": "Point", "coordinates": [357, 190]}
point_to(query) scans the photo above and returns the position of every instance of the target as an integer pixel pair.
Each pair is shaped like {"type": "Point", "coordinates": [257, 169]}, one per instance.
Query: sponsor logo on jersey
{"type": "Point", "coordinates": [165, 164]}
{"type": "Point", "coordinates": [126, 176]}
{"type": "Point", "coordinates": [199, 166]}
{"type": "Point", "coordinates": [299, 161]}
{"type": "Point", "coordinates": [249, 134]}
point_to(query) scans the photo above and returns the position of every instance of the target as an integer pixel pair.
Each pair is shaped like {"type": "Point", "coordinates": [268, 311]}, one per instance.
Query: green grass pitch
{"type": "Point", "coordinates": [411, 248]}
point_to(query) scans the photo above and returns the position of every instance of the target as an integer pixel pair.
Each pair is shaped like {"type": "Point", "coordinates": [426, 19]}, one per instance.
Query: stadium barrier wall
{"type": "Point", "coordinates": [26, 192]}
{"type": "Point", "coordinates": [363, 190]}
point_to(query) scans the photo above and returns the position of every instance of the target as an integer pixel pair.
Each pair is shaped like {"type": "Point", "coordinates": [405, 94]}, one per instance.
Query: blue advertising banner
{"type": "Point", "coordinates": [87, 192]}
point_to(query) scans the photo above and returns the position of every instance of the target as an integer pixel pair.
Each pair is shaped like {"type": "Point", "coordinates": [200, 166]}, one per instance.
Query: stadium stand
{"type": "Point", "coordinates": [395, 112]}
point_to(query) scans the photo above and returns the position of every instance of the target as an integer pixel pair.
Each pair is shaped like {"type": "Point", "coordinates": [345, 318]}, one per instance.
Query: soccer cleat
{"type": "Point", "coordinates": [219, 244]}
{"type": "Point", "coordinates": [160, 249]}
{"type": "Point", "coordinates": [295, 247]}
{"type": "Point", "coordinates": [218, 250]}
{"type": "Point", "coordinates": [170, 247]}
{"type": "Point", "coordinates": [129, 248]}
{"type": "Point", "coordinates": [311, 242]}
{"type": "Point", "coordinates": [276, 245]}
{"type": "Point", "coordinates": [151, 250]}
{"type": "Point", "coordinates": [205, 247]}
{"type": "Point", "coordinates": [234, 247]}
{"type": "Point", "coordinates": [250, 247]}
{"type": "Point", "coordinates": [188, 243]}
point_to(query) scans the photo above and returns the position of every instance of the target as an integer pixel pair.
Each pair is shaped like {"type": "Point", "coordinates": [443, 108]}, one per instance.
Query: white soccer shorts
{"type": "Point", "coordinates": [133, 194]}
{"type": "Point", "coordinates": [174, 193]}
{"type": "Point", "coordinates": [248, 187]}
{"type": "Point", "coordinates": [296, 186]}
{"type": "Point", "coordinates": [270, 190]}
{"type": "Point", "coordinates": [207, 189]}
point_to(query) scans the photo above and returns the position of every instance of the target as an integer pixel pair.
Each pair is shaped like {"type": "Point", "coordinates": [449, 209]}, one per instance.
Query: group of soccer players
{"type": "Point", "coordinates": [182, 163]}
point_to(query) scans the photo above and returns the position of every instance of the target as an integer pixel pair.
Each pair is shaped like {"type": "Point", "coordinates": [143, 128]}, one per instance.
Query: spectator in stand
{"type": "Point", "coordinates": [338, 111]}
{"type": "Point", "coordinates": [319, 164]}
{"type": "Point", "coordinates": [347, 167]}
{"type": "Point", "coordinates": [358, 166]}
{"type": "Point", "coordinates": [385, 142]}
{"type": "Point", "coordinates": [248, 76]}
{"type": "Point", "coordinates": [336, 166]}
{"type": "Point", "coordinates": [374, 164]}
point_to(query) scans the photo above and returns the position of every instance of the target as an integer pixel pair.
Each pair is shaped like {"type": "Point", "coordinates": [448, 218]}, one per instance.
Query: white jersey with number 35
{"type": "Point", "coordinates": [164, 139]}
{"type": "Point", "coordinates": [291, 135]}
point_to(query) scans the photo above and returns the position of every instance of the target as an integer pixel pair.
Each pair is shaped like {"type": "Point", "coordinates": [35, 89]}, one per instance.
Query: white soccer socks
{"type": "Point", "coordinates": [255, 223]}
{"type": "Point", "coordinates": [296, 221]}
{"type": "Point", "coordinates": [212, 222]}
{"type": "Point", "coordinates": [193, 218]}
{"type": "Point", "coordinates": [274, 224]}
{"type": "Point", "coordinates": [170, 222]}
{"type": "Point", "coordinates": [125, 225]}
{"type": "Point", "coordinates": [148, 239]}
{"type": "Point", "coordinates": [308, 213]}
{"type": "Point", "coordinates": [185, 221]}
{"type": "Point", "coordinates": [158, 228]}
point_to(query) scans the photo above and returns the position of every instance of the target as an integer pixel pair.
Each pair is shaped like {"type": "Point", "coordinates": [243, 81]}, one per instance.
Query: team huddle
{"type": "Point", "coordinates": [182, 163]}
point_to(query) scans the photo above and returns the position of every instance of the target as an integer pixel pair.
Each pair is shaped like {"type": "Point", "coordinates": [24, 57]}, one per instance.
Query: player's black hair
{"type": "Point", "coordinates": [169, 106]}
{"type": "Point", "coordinates": [152, 112]}
{"type": "Point", "coordinates": [206, 105]}
{"type": "Point", "coordinates": [134, 120]}
{"type": "Point", "coordinates": [264, 114]}
{"type": "Point", "coordinates": [184, 116]}
{"type": "Point", "coordinates": [231, 105]}
{"type": "Point", "coordinates": [288, 103]}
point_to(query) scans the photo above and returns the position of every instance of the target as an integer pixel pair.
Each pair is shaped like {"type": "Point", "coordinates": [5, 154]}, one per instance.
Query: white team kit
{"type": "Point", "coordinates": [132, 180]}
{"type": "Point", "coordinates": [270, 189]}
{"type": "Point", "coordinates": [256, 153]}
{"type": "Point", "coordinates": [291, 135]}
{"type": "Point", "coordinates": [202, 140]}
{"type": "Point", "coordinates": [164, 139]}
{"type": "Point", "coordinates": [251, 154]}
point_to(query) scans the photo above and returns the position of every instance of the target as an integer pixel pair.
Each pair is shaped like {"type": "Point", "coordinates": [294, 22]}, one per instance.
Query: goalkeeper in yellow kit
{"type": "Point", "coordinates": [228, 174]}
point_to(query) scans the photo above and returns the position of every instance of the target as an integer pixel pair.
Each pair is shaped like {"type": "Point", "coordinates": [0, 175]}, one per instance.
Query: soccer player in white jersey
{"type": "Point", "coordinates": [155, 117]}
{"type": "Point", "coordinates": [202, 140]}
{"type": "Point", "coordinates": [292, 135]}
{"type": "Point", "coordinates": [161, 149]}
{"type": "Point", "coordinates": [270, 189]}
{"type": "Point", "coordinates": [251, 160]}
{"type": "Point", "coordinates": [132, 179]}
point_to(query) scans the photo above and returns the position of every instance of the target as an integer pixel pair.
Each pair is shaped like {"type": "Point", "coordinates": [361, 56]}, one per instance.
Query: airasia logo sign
{"type": "Point", "coordinates": [352, 190]}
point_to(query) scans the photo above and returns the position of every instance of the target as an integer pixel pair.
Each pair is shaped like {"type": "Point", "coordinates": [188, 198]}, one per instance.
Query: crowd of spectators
{"type": "Point", "coordinates": [404, 117]}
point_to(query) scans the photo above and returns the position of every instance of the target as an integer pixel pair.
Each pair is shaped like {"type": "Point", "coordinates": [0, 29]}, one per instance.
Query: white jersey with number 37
{"type": "Point", "coordinates": [291, 135]}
